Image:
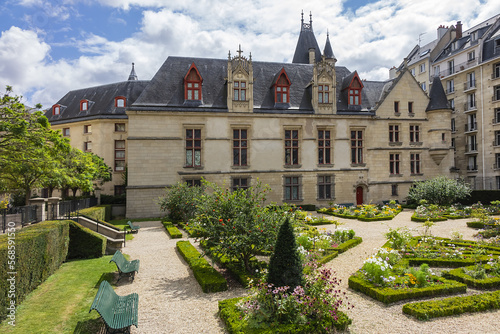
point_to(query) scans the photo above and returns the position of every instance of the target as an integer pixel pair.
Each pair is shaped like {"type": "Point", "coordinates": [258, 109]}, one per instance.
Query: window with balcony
{"type": "Point", "coordinates": [471, 56]}
{"type": "Point", "coordinates": [471, 124]}
{"type": "Point", "coordinates": [472, 163]}
{"type": "Point", "coordinates": [437, 70]}
{"type": "Point", "coordinates": [496, 93]}
{"type": "Point", "coordinates": [471, 81]}
{"type": "Point", "coordinates": [471, 102]}
{"type": "Point", "coordinates": [497, 138]}
{"type": "Point", "coordinates": [497, 115]}
{"type": "Point", "coordinates": [450, 86]}
{"type": "Point", "coordinates": [497, 161]}
{"type": "Point", "coordinates": [471, 144]}
{"type": "Point", "coordinates": [451, 67]}
{"type": "Point", "coordinates": [451, 102]}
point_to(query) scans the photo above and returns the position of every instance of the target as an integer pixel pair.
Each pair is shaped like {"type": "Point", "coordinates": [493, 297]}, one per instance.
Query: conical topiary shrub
{"type": "Point", "coordinates": [285, 266]}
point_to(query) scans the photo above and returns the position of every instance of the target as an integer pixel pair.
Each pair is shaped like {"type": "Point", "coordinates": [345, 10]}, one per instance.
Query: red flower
{"type": "Point", "coordinates": [223, 224]}
{"type": "Point", "coordinates": [220, 220]}
{"type": "Point", "coordinates": [228, 219]}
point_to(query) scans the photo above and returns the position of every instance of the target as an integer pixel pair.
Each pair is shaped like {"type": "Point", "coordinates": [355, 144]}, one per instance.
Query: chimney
{"type": "Point", "coordinates": [441, 31]}
{"type": "Point", "coordinates": [393, 73]}
{"type": "Point", "coordinates": [312, 56]}
{"type": "Point", "coordinates": [459, 29]}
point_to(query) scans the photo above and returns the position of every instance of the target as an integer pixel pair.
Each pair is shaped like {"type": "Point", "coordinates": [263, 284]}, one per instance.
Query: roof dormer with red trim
{"type": "Point", "coordinates": [192, 85]}
{"type": "Point", "coordinates": [56, 109]}
{"type": "Point", "coordinates": [281, 87]}
{"type": "Point", "coordinates": [120, 101]}
{"type": "Point", "coordinates": [84, 105]}
{"type": "Point", "coordinates": [353, 86]}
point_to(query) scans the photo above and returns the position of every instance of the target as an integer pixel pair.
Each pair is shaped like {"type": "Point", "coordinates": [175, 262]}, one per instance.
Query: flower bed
{"type": "Point", "coordinates": [460, 274]}
{"type": "Point", "coordinates": [366, 212]}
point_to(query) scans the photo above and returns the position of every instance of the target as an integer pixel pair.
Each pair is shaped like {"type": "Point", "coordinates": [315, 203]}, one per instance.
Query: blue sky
{"type": "Point", "coordinates": [48, 48]}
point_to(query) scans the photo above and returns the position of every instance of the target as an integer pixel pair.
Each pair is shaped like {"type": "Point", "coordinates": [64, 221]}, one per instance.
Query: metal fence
{"type": "Point", "coordinates": [24, 215]}
{"type": "Point", "coordinates": [66, 209]}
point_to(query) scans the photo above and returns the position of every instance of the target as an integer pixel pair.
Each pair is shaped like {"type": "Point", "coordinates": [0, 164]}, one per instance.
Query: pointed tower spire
{"type": "Point", "coordinates": [307, 41]}
{"type": "Point", "coordinates": [437, 96]}
{"type": "Point", "coordinates": [132, 75]}
{"type": "Point", "coordinates": [328, 51]}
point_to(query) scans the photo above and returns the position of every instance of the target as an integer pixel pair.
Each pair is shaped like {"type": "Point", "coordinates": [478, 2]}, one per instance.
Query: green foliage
{"type": "Point", "coordinates": [235, 223]}
{"type": "Point", "coordinates": [39, 250]}
{"type": "Point", "coordinates": [461, 275]}
{"type": "Point", "coordinates": [209, 279]}
{"type": "Point", "coordinates": [453, 306]}
{"type": "Point", "coordinates": [85, 243]}
{"type": "Point", "coordinates": [285, 265]}
{"type": "Point", "coordinates": [111, 199]}
{"type": "Point", "coordinates": [172, 230]}
{"type": "Point", "coordinates": [180, 201]}
{"type": "Point", "coordinates": [100, 212]}
{"type": "Point", "coordinates": [439, 190]}
{"type": "Point", "coordinates": [389, 295]}
{"type": "Point", "coordinates": [399, 237]}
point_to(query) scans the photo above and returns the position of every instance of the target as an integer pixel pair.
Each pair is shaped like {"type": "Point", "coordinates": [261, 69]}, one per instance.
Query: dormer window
{"type": "Point", "coordinates": [240, 90]}
{"type": "Point", "coordinates": [192, 84]}
{"type": "Point", "coordinates": [56, 109]}
{"type": "Point", "coordinates": [84, 105]}
{"type": "Point", "coordinates": [120, 102]}
{"type": "Point", "coordinates": [323, 94]}
{"type": "Point", "coordinates": [282, 88]}
{"type": "Point", "coordinates": [354, 86]}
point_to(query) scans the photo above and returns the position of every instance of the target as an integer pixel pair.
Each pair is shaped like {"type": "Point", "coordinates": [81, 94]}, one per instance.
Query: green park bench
{"type": "Point", "coordinates": [124, 266]}
{"type": "Point", "coordinates": [118, 312]}
{"type": "Point", "coordinates": [133, 228]}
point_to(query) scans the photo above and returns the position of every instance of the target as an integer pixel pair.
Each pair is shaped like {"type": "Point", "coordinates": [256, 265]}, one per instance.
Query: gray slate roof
{"type": "Point", "coordinates": [101, 101]}
{"type": "Point", "coordinates": [437, 96]}
{"type": "Point", "coordinates": [166, 89]}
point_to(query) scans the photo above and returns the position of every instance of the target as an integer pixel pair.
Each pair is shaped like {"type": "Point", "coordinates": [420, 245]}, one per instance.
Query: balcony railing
{"type": "Point", "coordinates": [450, 90]}
{"type": "Point", "coordinates": [458, 68]}
{"type": "Point", "coordinates": [470, 85]}
{"type": "Point", "coordinates": [470, 106]}
{"type": "Point", "coordinates": [471, 127]}
{"type": "Point", "coordinates": [472, 167]}
{"type": "Point", "coordinates": [470, 148]}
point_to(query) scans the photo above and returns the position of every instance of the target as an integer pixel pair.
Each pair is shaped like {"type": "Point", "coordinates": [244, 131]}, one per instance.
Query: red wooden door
{"type": "Point", "coordinates": [359, 195]}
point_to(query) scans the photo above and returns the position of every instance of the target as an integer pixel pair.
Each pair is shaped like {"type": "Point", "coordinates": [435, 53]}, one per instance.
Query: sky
{"type": "Point", "coordinates": [48, 48]}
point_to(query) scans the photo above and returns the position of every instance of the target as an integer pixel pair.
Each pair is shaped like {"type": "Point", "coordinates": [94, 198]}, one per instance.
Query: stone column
{"type": "Point", "coordinates": [53, 208]}
{"type": "Point", "coordinates": [40, 203]}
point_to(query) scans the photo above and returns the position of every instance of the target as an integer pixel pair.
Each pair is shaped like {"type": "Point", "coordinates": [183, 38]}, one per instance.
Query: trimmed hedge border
{"type": "Point", "coordinates": [85, 243]}
{"type": "Point", "coordinates": [321, 222]}
{"type": "Point", "coordinates": [40, 250]}
{"type": "Point", "coordinates": [172, 230]}
{"type": "Point", "coordinates": [233, 319]}
{"type": "Point", "coordinates": [100, 212]}
{"type": "Point", "coordinates": [480, 225]}
{"type": "Point", "coordinates": [423, 220]}
{"type": "Point", "coordinates": [481, 284]}
{"type": "Point", "coordinates": [209, 279]}
{"type": "Point", "coordinates": [453, 306]}
{"type": "Point", "coordinates": [389, 295]}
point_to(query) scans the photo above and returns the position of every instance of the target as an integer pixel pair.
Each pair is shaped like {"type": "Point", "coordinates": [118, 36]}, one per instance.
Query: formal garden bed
{"type": "Point", "coordinates": [365, 212]}
{"type": "Point", "coordinates": [401, 270]}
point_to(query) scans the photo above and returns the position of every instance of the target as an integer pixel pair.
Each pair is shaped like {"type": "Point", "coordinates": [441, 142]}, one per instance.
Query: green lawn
{"type": "Point", "coordinates": [61, 304]}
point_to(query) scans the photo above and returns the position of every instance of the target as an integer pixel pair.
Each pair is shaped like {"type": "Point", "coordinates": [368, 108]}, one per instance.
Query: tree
{"type": "Point", "coordinates": [285, 265]}
{"type": "Point", "coordinates": [29, 149]}
{"type": "Point", "coordinates": [180, 201]}
{"type": "Point", "coordinates": [236, 224]}
{"type": "Point", "coordinates": [439, 190]}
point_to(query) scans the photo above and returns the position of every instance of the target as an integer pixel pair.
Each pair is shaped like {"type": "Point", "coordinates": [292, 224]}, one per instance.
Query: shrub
{"type": "Point", "coordinates": [100, 212]}
{"type": "Point", "coordinates": [209, 279]}
{"type": "Point", "coordinates": [179, 201]}
{"type": "Point", "coordinates": [454, 305]}
{"type": "Point", "coordinates": [399, 237]}
{"type": "Point", "coordinates": [85, 243]}
{"type": "Point", "coordinates": [439, 190]}
{"type": "Point", "coordinates": [39, 250]}
{"type": "Point", "coordinates": [172, 230]}
{"type": "Point", "coordinates": [285, 266]}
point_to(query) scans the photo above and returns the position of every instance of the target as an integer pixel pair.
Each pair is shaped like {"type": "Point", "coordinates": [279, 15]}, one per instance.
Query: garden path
{"type": "Point", "coordinates": [171, 301]}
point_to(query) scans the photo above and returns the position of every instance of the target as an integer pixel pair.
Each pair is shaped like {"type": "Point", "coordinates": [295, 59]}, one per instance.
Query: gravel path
{"type": "Point", "coordinates": [171, 301]}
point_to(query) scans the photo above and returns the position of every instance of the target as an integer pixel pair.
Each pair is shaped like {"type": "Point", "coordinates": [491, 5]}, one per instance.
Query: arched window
{"type": "Point", "coordinates": [56, 109]}
{"type": "Point", "coordinates": [84, 105]}
{"type": "Point", "coordinates": [192, 84]}
{"type": "Point", "coordinates": [120, 102]}
{"type": "Point", "coordinates": [282, 88]}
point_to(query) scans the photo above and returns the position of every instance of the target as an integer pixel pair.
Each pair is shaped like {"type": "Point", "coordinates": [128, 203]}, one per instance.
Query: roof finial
{"type": "Point", "coordinates": [310, 19]}
{"type": "Point", "coordinates": [302, 20]}
{"type": "Point", "coordinates": [132, 75]}
{"type": "Point", "coordinates": [229, 55]}
{"type": "Point", "coordinates": [239, 51]}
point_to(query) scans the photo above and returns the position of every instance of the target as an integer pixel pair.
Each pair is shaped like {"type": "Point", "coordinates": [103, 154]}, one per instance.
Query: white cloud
{"type": "Point", "coordinates": [370, 40]}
